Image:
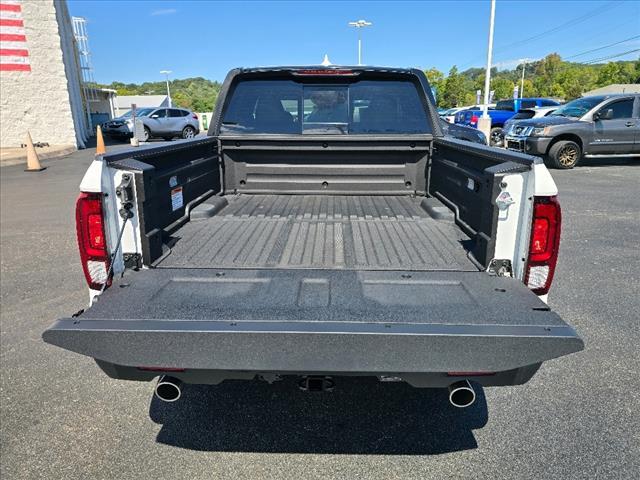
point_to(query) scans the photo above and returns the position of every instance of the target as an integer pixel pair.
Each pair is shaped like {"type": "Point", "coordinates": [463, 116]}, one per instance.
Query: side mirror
{"type": "Point", "coordinates": [604, 114]}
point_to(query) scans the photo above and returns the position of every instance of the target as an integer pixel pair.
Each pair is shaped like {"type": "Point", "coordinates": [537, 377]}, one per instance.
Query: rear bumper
{"type": "Point", "coordinates": [516, 376]}
{"type": "Point", "coordinates": [310, 347]}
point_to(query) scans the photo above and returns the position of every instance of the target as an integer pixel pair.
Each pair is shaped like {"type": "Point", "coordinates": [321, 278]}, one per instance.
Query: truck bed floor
{"type": "Point", "coordinates": [315, 231]}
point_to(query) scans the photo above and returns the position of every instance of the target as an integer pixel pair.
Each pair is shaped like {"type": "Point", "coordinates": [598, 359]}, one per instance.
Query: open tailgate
{"type": "Point", "coordinates": [317, 321]}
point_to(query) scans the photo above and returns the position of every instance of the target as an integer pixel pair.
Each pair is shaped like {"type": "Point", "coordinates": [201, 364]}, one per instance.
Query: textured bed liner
{"type": "Point", "coordinates": [316, 231]}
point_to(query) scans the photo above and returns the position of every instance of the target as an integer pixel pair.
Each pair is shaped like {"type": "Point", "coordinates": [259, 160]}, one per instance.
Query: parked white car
{"type": "Point", "coordinates": [450, 115]}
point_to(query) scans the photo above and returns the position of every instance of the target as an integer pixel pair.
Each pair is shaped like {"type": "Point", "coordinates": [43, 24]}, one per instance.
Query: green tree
{"type": "Point", "coordinates": [608, 74]}
{"type": "Point", "coordinates": [436, 80]}
{"type": "Point", "coordinates": [454, 88]}
{"type": "Point", "coordinates": [528, 89]}
{"type": "Point", "coordinates": [502, 88]}
{"type": "Point", "coordinates": [198, 94]}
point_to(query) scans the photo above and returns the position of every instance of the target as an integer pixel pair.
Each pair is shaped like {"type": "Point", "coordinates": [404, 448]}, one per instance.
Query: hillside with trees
{"type": "Point", "coordinates": [548, 77]}
{"type": "Point", "coordinates": [197, 94]}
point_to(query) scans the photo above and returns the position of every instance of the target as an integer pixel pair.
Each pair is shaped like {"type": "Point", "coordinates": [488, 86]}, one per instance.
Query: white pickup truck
{"type": "Point", "coordinates": [325, 227]}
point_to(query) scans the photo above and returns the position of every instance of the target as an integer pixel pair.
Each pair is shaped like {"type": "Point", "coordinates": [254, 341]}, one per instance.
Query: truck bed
{"type": "Point", "coordinates": [320, 232]}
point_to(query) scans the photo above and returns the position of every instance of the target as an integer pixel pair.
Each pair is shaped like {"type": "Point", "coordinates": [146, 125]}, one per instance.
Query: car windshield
{"type": "Point", "coordinates": [523, 114]}
{"type": "Point", "coordinates": [292, 107]}
{"type": "Point", "coordinates": [140, 112]}
{"type": "Point", "coordinates": [576, 108]}
{"type": "Point", "coordinates": [143, 112]}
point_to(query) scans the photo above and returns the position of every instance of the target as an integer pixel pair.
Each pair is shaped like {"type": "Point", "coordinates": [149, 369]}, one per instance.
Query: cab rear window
{"type": "Point", "coordinates": [290, 107]}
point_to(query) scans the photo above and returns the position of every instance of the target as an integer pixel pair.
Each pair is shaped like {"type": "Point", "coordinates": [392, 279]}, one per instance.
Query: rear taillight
{"type": "Point", "coordinates": [194, 116]}
{"type": "Point", "coordinates": [91, 239]}
{"type": "Point", "coordinates": [544, 244]}
{"type": "Point", "coordinates": [474, 120]}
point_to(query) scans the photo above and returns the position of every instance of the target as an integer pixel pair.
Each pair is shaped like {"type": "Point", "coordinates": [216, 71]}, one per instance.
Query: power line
{"type": "Point", "coordinates": [602, 48]}
{"type": "Point", "coordinates": [615, 27]}
{"type": "Point", "coordinates": [571, 22]}
{"type": "Point", "coordinates": [597, 60]}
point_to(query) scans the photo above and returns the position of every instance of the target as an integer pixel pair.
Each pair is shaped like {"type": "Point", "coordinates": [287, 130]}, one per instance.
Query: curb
{"type": "Point", "coordinates": [22, 159]}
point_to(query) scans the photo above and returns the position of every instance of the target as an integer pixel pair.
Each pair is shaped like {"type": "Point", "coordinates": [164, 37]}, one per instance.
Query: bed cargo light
{"type": "Point", "coordinates": [91, 239]}
{"type": "Point", "coordinates": [324, 71]}
{"type": "Point", "coordinates": [544, 244]}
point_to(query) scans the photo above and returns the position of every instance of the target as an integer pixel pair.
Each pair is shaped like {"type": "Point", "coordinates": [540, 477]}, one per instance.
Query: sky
{"type": "Point", "coordinates": [131, 41]}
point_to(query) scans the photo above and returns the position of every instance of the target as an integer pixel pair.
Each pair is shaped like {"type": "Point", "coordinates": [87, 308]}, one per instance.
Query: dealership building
{"type": "Point", "coordinates": [43, 76]}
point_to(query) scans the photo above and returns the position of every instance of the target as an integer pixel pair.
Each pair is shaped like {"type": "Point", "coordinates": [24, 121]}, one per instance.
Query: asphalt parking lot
{"type": "Point", "coordinates": [578, 418]}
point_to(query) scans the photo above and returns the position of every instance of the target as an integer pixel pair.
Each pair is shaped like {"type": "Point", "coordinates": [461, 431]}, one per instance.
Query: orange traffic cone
{"type": "Point", "coordinates": [100, 148]}
{"type": "Point", "coordinates": [33, 162]}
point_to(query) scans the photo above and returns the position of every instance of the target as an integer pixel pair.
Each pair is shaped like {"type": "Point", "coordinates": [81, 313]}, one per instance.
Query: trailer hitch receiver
{"type": "Point", "coordinates": [315, 383]}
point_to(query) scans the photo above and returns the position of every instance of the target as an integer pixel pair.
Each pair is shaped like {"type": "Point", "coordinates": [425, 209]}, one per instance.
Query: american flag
{"type": "Point", "coordinates": [14, 55]}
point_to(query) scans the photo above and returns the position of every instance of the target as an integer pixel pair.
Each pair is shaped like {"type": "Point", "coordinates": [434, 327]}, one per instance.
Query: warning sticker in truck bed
{"type": "Point", "coordinates": [176, 199]}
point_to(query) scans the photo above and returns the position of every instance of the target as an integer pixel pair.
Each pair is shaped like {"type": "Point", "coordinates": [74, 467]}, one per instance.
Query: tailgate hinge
{"type": "Point", "coordinates": [132, 260]}
{"type": "Point", "coordinates": [124, 192]}
{"type": "Point", "coordinates": [500, 268]}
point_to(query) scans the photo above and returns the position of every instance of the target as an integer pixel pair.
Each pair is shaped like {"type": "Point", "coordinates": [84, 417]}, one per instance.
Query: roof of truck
{"type": "Point", "coordinates": [368, 68]}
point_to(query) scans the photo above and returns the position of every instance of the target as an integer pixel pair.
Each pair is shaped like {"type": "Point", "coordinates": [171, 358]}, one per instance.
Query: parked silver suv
{"type": "Point", "coordinates": [161, 122]}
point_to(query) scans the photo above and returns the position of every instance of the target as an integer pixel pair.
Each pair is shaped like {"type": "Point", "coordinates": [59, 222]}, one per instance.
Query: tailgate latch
{"type": "Point", "coordinates": [500, 268]}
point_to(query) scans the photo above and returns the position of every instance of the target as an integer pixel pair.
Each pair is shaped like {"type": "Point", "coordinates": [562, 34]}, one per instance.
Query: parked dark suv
{"type": "Point", "coordinates": [603, 125]}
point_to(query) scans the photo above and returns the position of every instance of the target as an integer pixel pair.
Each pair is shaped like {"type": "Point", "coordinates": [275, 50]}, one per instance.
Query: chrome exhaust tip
{"type": "Point", "coordinates": [168, 389]}
{"type": "Point", "coordinates": [461, 394]}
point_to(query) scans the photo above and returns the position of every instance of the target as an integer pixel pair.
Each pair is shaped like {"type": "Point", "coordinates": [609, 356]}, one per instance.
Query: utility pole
{"type": "Point", "coordinates": [524, 66]}
{"type": "Point", "coordinates": [484, 123]}
{"type": "Point", "coordinates": [359, 24]}
{"type": "Point", "coordinates": [166, 74]}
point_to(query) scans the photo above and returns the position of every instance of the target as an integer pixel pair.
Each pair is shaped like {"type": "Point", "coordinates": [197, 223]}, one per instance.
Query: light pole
{"type": "Point", "coordinates": [166, 74]}
{"type": "Point", "coordinates": [487, 78]}
{"type": "Point", "coordinates": [359, 24]}
{"type": "Point", "coordinates": [484, 122]}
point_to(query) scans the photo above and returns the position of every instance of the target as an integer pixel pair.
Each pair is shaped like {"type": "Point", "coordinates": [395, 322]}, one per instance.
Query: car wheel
{"type": "Point", "coordinates": [564, 154]}
{"type": "Point", "coordinates": [188, 132]}
{"type": "Point", "coordinates": [147, 134]}
{"type": "Point", "coordinates": [496, 137]}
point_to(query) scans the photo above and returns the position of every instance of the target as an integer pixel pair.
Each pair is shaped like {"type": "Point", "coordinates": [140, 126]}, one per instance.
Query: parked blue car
{"type": "Point", "coordinates": [503, 111]}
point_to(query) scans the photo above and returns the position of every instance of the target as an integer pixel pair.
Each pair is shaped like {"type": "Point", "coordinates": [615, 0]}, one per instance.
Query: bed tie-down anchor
{"type": "Point", "coordinates": [500, 268]}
